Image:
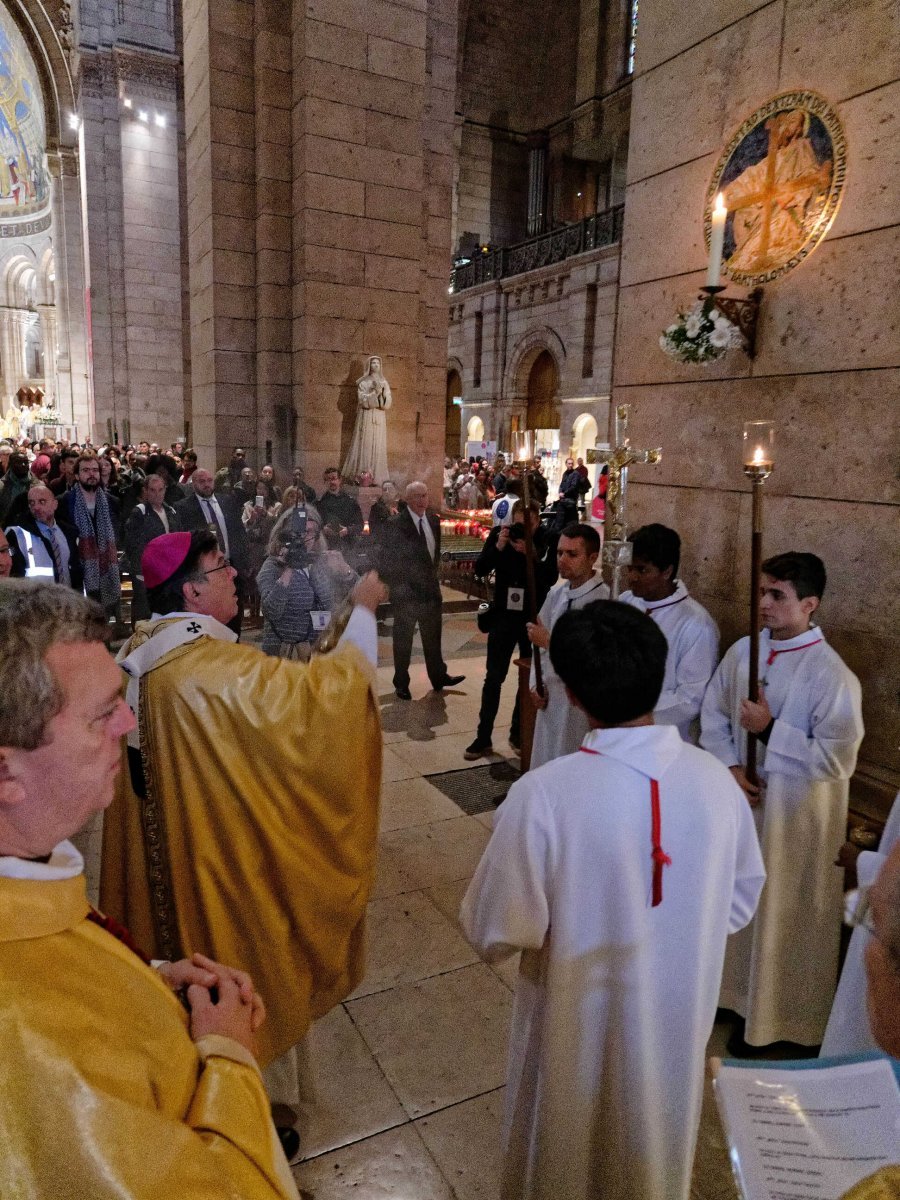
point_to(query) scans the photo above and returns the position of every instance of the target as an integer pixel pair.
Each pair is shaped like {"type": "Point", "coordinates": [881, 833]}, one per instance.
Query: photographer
{"type": "Point", "coordinates": [504, 554]}
{"type": "Point", "coordinates": [294, 585]}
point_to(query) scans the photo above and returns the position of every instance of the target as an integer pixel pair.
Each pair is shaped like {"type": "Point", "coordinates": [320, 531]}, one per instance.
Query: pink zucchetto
{"type": "Point", "coordinates": [163, 556]}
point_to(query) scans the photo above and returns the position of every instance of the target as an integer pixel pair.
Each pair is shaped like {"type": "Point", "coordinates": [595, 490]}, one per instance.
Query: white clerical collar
{"type": "Point", "coordinates": [807, 638]}
{"type": "Point", "coordinates": [649, 749]}
{"type": "Point", "coordinates": [680, 593]}
{"type": "Point", "coordinates": [584, 588]}
{"type": "Point", "coordinates": [65, 863]}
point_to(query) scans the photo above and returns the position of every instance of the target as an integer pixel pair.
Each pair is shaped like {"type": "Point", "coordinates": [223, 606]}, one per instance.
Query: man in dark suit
{"type": "Point", "coordinates": [43, 547]}
{"type": "Point", "coordinates": [205, 510]}
{"type": "Point", "coordinates": [409, 559]}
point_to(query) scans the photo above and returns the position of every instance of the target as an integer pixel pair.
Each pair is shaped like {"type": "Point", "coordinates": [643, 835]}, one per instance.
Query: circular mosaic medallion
{"type": "Point", "coordinates": [24, 180]}
{"type": "Point", "coordinates": [782, 175]}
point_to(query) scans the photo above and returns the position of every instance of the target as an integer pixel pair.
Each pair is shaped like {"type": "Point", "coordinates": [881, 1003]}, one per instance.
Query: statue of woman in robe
{"type": "Point", "coordinates": [368, 446]}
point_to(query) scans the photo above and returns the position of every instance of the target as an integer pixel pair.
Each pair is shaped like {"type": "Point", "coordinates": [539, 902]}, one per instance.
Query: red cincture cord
{"type": "Point", "coordinates": [659, 856]}
{"type": "Point", "coordinates": [773, 654]}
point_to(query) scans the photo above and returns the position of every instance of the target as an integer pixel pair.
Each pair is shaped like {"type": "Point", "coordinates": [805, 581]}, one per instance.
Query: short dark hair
{"type": "Point", "coordinates": [587, 533]}
{"type": "Point", "coordinates": [70, 453]}
{"type": "Point", "coordinates": [657, 544]}
{"type": "Point", "coordinates": [168, 597]}
{"type": "Point", "coordinates": [805, 571]}
{"type": "Point", "coordinates": [330, 471]}
{"type": "Point", "coordinates": [612, 658]}
{"type": "Point", "coordinates": [190, 453]}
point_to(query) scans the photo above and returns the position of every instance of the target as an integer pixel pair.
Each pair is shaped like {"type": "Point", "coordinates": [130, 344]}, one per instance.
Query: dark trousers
{"type": "Point", "coordinates": [507, 633]}
{"type": "Point", "coordinates": [427, 615]}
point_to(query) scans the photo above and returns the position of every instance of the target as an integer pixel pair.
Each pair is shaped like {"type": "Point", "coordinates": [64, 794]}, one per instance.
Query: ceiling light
{"type": "Point", "coordinates": [143, 115]}
{"type": "Point", "coordinates": [160, 120]}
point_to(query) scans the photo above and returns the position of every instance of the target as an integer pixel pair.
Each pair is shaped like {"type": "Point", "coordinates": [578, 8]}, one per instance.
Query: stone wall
{"type": "Point", "coordinates": [319, 159]}
{"type": "Point", "coordinates": [539, 310]}
{"type": "Point", "coordinates": [828, 350]}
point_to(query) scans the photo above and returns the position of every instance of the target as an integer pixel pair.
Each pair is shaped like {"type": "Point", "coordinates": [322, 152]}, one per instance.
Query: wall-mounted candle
{"type": "Point", "coordinates": [716, 240]}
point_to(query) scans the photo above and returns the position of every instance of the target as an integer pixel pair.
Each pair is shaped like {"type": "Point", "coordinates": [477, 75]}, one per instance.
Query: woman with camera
{"type": "Point", "coordinates": [294, 585]}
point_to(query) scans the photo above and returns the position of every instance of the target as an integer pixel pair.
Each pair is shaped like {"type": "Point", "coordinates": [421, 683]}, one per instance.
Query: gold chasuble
{"type": "Point", "coordinates": [103, 1095]}
{"type": "Point", "coordinates": [256, 840]}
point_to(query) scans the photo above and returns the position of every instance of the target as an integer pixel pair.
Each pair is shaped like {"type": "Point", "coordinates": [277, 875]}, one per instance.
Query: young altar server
{"type": "Point", "coordinates": [780, 973]}
{"type": "Point", "coordinates": [692, 634]}
{"type": "Point", "coordinates": [619, 871]}
{"type": "Point", "coordinates": [561, 725]}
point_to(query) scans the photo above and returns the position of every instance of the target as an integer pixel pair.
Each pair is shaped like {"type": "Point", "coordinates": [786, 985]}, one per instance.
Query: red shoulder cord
{"type": "Point", "coordinates": [773, 654]}
{"type": "Point", "coordinates": [659, 856]}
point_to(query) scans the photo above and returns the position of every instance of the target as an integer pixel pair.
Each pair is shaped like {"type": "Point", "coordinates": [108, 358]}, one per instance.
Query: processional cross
{"type": "Point", "coordinates": [616, 547]}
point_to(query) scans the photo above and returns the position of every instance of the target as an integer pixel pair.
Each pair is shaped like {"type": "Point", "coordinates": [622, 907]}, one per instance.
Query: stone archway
{"type": "Point", "coordinates": [542, 409]}
{"type": "Point", "coordinates": [520, 387]}
{"type": "Point", "coordinates": [584, 435]}
{"type": "Point", "coordinates": [475, 430]}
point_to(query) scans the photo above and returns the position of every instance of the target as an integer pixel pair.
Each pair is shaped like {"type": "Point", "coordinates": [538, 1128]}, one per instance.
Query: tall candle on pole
{"type": "Point", "coordinates": [524, 454]}
{"type": "Point", "coordinates": [759, 462]}
{"type": "Point", "coordinates": [716, 242]}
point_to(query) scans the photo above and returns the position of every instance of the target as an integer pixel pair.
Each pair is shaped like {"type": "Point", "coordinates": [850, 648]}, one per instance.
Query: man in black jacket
{"type": "Point", "coordinates": [205, 510]}
{"type": "Point", "coordinates": [342, 516]}
{"type": "Point", "coordinates": [412, 548]}
{"type": "Point", "coordinates": [504, 554]}
{"type": "Point", "coordinates": [43, 547]}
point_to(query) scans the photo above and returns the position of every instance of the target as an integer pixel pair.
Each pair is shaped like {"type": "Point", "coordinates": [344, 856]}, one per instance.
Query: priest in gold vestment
{"type": "Point", "coordinates": [112, 1089]}
{"type": "Point", "coordinates": [246, 826]}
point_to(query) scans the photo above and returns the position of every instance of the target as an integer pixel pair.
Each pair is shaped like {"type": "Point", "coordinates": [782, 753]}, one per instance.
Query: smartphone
{"type": "Point", "coordinates": [260, 501]}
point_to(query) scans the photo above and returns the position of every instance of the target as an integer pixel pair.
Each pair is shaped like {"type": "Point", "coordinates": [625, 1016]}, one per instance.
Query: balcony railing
{"type": "Point", "coordinates": [602, 229]}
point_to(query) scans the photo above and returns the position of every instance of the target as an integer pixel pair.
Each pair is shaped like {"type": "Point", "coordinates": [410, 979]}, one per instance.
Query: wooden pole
{"type": "Point", "coordinates": [755, 582]}
{"type": "Point", "coordinates": [530, 586]}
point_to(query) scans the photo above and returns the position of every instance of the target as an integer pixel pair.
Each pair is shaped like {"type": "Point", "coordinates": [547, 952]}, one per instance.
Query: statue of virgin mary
{"type": "Point", "coordinates": [368, 447]}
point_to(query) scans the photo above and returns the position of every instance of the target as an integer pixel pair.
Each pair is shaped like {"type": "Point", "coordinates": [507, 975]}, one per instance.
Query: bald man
{"type": "Point", "coordinates": [44, 547]}
{"type": "Point", "coordinates": [410, 554]}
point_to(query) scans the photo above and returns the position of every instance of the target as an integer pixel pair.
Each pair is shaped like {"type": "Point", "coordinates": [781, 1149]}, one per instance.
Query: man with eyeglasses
{"type": "Point", "coordinates": [233, 828]}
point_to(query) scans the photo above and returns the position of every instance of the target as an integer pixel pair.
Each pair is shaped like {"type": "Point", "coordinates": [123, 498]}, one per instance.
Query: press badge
{"type": "Point", "coordinates": [320, 619]}
{"type": "Point", "coordinates": [515, 599]}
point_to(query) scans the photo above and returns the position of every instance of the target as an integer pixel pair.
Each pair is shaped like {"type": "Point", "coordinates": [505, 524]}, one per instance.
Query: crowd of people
{"type": "Point", "coordinates": [644, 873]}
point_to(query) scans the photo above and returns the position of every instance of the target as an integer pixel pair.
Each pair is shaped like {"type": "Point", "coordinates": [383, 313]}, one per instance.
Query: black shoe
{"type": "Point", "coordinates": [403, 693]}
{"type": "Point", "coordinates": [478, 749]}
{"type": "Point", "coordinates": [290, 1142]}
{"type": "Point", "coordinates": [450, 681]}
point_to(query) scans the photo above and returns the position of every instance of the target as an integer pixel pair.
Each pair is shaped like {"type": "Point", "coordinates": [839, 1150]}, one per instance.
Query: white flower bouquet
{"type": "Point", "coordinates": [47, 415]}
{"type": "Point", "coordinates": [702, 334]}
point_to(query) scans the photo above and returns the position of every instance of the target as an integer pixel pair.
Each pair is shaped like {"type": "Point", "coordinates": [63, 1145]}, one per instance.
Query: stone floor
{"type": "Point", "coordinates": [410, 1068]}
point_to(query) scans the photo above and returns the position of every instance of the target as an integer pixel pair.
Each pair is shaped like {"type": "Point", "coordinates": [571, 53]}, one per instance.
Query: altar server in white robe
{"type": "Point", "coordinates": [560, 725]}
{"type": "Point", "coordinates": [849, 1029]}
{"type": "Point", "coordinates": [692, 634]}
{"type": "Point", "coordinates": [619, 871]}
{"type": "Point", "coordinates": [780, 974]}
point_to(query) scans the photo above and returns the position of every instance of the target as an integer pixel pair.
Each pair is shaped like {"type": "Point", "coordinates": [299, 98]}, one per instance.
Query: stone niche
{"type": "Point", "coordinates": [828, 355]}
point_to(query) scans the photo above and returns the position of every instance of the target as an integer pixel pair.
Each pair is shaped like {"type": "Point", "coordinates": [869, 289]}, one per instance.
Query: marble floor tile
{"type": "Point", "coordinates": [448, 897]}
{"type": "Point", "coordinates": [406, 802]}
{"type": "Point", "coordinates": [443, 754]}
{"type": "Point", "coordinates": [426, 855]}
{"type": "Point", "coordinates": [507, 970]}
{"type": "Point", "coordinates": [353, 1098]}
{"type": "Point", "coordinates": [465, 1142]}
{"type": "Point", "coordinates": [409, 938]}
{"type": "Point", "coordinates": [441, 1040]}
{"type": "Point", "coordinates": [394, 767]}
{"type": "Point", "coordinates": [391, 1166]}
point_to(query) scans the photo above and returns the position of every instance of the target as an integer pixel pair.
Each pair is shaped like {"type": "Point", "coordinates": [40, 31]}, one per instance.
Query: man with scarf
{"type": "Point", "coordinates": [86, 506]}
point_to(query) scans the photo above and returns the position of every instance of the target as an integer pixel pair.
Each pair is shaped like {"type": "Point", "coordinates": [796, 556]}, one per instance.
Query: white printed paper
{"type": "Point", "coordinates": [811, 1132]}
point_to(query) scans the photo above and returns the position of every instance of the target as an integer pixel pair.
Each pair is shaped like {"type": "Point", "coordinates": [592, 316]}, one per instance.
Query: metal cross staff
{"type": "Point", "coordinates": [616, 547]}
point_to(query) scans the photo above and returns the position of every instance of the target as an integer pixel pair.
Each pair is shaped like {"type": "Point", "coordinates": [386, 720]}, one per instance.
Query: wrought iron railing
{"type": "Point", "coordinates": [602, 229]}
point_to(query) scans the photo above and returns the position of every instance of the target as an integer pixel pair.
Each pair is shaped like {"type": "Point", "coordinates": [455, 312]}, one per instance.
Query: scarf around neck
{"type": "Point", "coordinates": [97, 547]}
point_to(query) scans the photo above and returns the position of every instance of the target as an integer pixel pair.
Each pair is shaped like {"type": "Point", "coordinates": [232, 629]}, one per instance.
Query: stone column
{"type": "Point", "coordinates": [47, 314]}
{"type": "Point", "coordinates": [75, 398]}
{"type": "Point", "coordinates": [10, 386]}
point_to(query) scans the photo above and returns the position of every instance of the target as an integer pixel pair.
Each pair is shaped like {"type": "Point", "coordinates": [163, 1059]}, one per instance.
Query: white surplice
{"type": "Point", "coordinates": [780, 973]}
{"type": "Point", "coordinates": [849, 1030]}
{"type": "Point", "coordinates": [693, 638]}
{"type": "Point", "coordinates": [559, 728]}
{"type": "Point", "coordinates": [615, 999]}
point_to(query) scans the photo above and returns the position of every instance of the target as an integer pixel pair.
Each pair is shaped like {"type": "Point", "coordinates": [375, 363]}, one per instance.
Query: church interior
{"type": "Point", "coordinates": [213, 212]}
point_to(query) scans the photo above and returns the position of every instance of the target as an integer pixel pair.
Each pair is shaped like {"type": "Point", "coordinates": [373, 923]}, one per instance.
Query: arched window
{"type": "Point", "coordinates": [475, 430]}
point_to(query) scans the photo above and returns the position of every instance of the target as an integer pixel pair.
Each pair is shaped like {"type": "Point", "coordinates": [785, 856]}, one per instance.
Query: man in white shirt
{"type": "Point", "coordinates": [560, 724]}
{"type": "Point", "coordinates": [619, 872]}
{"type": "Point", "coordinates": [690, 631]}
{"type": "Point", "coordinates": [780, 973]}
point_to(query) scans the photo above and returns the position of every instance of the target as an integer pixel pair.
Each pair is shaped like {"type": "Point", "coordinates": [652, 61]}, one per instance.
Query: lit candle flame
{"type": "Point", "coordinates": [720, 209]}
{"type": "Point", "coordinates": [758, 457]}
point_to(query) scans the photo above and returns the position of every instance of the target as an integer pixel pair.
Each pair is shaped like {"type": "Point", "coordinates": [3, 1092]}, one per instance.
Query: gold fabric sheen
{"type": "Point", "coordinates": [103, 1095]}
{"type": "Point", "coordinates": [256, 843]}
{"type": "Point", "coordinates": [883, 1185]}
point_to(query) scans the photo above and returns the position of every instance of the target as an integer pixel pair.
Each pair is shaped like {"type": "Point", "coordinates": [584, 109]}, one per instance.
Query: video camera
{"type": "Point", "coordinates": [295, 553]}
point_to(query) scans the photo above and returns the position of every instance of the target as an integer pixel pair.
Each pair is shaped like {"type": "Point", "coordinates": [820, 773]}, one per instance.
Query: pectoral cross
{"type": "Point", "coordinates": [616, 547]}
